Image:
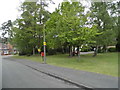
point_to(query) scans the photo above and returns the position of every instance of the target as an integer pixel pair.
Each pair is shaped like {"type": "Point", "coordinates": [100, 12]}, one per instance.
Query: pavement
{"type": "Point", "coordinates": [87, 79]}
{"type": "Point", "coordinates": [86, 52]}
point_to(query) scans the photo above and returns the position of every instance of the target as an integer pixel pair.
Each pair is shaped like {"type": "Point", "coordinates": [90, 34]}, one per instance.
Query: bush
{"type": "Point", "coordinates": [51, 52]}
{"type": "Point", "coordinates": [111, 49]}
{"type": "Point", "coordinates": [59, 50]}
{"type": "Point", "coordinates": [118, 47]}
{"type": "Point", "coordinates": [100, 50]}
{"type": "Point", "coordinates": [22, 53]}
{"type": "Point", "coordinates": [85, 49]}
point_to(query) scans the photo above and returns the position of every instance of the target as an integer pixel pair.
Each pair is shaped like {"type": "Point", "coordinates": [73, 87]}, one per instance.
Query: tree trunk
{"type": "Point", "coordinates": [63, 51]}
{"type": "Point", "coordinates": [78, 50]}
{"type": "Point", "coordinates": [79, 56]}
{"type": "Point", "coordinates": [70, 51]}
{"type": "Point", "coordinates": [118, 47]}
{"type": "Point", "coordinates": [104, 48]}
{"type": "Point", "coordinates": [78, 53]}
{"type": "Point", "coordinates": [33, 51]}
{"type": "Point", "coordinates": [73, 50]}
{"type": "Point", "coordinates": [95, 51]}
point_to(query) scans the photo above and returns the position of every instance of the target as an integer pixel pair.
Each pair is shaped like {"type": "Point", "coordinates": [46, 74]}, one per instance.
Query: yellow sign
{"type": "Point", "coordinates": [39, 50]}
{"type": "Point", "coordinates": [44, 43]}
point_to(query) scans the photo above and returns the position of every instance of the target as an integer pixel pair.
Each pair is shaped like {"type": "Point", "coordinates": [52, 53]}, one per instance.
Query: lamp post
{"type": "Point", "coordinates": [44, 43]}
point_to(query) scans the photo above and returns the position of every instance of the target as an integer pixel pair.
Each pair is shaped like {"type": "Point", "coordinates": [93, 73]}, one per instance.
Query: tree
{"type": "Point", "coordinates": [68, 25]}
{"type": "Point", "coordinates": [29, 27]}
{"type": "Point", "coordinates": [117, 23]}
{"type": "Point", "coordinates": [104, 20]}
{"type": "Point", "coordinates": [6, 29]}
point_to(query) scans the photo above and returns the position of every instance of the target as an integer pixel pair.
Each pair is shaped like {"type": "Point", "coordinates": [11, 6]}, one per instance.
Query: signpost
{"type": "Point", "coordinates": [44, 43]}
{"type": "Point", "coordinates": [39, 50]}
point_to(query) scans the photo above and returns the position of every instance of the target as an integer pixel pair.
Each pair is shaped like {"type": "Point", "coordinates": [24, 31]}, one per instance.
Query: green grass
{"type": "Point", "coordinates": [105, 63]}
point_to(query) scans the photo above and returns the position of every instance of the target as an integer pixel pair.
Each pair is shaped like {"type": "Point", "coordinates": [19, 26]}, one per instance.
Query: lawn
{"type": "Point", "coordinates": [104, 63]}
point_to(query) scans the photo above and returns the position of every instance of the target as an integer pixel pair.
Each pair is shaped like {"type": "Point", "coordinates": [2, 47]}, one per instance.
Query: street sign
{"type": "Point", "coordinates": [39, 50]}
{"type": "Point", "coordinates": [44, 43]}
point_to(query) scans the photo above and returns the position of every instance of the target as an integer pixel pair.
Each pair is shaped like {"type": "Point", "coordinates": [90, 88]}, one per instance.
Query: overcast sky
{"type": "Point", "coordinates": [9, 9]}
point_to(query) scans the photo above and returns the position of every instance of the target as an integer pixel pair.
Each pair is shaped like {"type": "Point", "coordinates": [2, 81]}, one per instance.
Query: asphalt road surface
{"type": "Point", "coordinates": [0, 71]}
{"type": "Point", "coordinates": [16, 75]}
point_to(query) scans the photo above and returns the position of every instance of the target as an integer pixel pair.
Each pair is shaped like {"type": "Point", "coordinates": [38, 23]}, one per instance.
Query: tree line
{"type": "Point", "coordinates": [69, 27]}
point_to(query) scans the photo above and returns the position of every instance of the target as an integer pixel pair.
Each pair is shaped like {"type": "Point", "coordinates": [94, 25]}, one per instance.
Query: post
{"type": "Point", "coordinates": [43, 37]}
{"type": "Point", "coordinates": [44, 46]}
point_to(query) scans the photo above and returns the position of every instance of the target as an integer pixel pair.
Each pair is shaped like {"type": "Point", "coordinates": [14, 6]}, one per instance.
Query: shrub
{"type": "Point", "coordinates": [59, 50]}
{"type": "Point", "coordinates": [27, 52]}
{"type": "Point", "coordinates": [51, 52]}
{"type": "Point", "coordinates": [22, 53]}
{"type": "Point", "coordinates": [100, 50]}
{"type": "Point", "coordinates": [111, 49]}
{"type": "Point", "coordinates": [85, 49]}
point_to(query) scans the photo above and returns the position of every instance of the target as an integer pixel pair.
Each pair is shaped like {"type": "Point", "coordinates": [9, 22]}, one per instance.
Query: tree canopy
{"type": "Point", "coordinates": [67, 27]}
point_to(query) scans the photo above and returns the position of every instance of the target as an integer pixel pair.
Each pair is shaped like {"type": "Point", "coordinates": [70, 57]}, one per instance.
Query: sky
{"type": "Point", "coordinates": [9, 9]}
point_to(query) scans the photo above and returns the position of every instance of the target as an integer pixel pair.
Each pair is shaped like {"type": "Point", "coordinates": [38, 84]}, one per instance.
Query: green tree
{"type": "Point", "coordinates": [67, 25]}
{"type": "Point", "coordinates": [6, 29]}
{"type": "Point", "coordinates": [102, 17]}
{"type": "Point", "coordinates": [29, 27]}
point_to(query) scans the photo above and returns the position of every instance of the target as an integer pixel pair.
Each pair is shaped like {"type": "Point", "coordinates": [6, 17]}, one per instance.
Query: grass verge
{"type": "Point", "coordinates": [104, 63]}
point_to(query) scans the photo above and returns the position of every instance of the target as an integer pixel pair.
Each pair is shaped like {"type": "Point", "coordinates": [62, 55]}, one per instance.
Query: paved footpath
{"type": "Point", "coordinates": [88, 79]}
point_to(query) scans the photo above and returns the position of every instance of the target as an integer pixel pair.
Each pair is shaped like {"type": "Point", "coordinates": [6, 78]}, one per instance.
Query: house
{"type": "Point", "coordinates": [6, 49]}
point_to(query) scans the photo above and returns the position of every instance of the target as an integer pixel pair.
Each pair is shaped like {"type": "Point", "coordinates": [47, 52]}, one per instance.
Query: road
{"type": "Point", "coordinates": [16, 75]}
{"type": "Point", "coordinates": [21, 73]}
{"type": "Point", "coordinates": [0, 71]}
